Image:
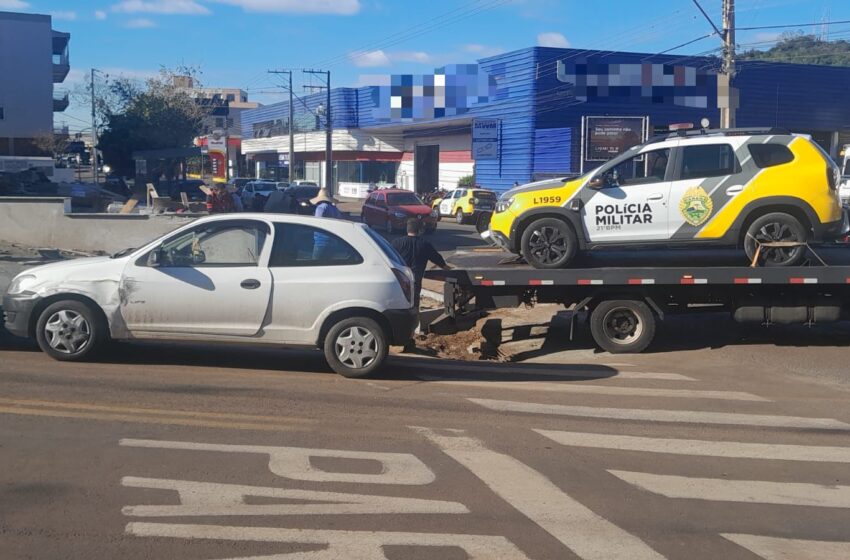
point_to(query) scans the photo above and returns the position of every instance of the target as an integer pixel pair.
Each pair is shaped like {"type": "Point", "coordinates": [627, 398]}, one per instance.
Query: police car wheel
{"type": "Point", "coordinates": [548, 243]}
{"type": "Point", "coordinates": [622, 326]}
{"type": "Point", "coordinates": [776, 227]}
{"type": "Point", "coordinates": [460, 217]}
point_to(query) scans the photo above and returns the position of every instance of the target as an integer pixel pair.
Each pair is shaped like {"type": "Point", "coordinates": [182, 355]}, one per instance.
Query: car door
{"type": "Point", "coordinates": [447, 203]}
{"type": "Point", "coordinates": [208, 280]}
{"type": "Point", "coordinates": [631, 203]}
{"type": "Point", "coordinates": [368, 212]}
{"type": "Point", "coordinates": [708, 176]}
{"type": "Point", "coordinates": [313, 270]}
{"type": "Point", "coordinates": [381, 211]}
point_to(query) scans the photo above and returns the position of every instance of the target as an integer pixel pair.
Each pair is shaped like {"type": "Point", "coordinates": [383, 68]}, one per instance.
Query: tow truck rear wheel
{"type": "Point", "coordinates": [622, 326]}
{"type": "Point", "coordinates": [548, 243]}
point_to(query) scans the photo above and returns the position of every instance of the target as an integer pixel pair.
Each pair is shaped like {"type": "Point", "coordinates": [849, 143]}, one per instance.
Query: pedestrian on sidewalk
{"type": "Point", "coordinates": [416, 252]}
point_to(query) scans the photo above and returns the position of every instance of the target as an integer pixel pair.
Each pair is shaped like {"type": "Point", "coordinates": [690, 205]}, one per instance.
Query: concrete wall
{"type": "Point", "coordinates": [47, 223]}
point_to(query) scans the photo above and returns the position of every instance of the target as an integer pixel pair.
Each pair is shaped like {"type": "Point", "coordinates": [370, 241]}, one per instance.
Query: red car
{"type": "Point", "coordinates": [391, 208]}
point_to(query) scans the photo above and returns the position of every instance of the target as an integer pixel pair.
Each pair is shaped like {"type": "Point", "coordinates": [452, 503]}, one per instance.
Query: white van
{"type": "Point", "coordinates": [250, 278]}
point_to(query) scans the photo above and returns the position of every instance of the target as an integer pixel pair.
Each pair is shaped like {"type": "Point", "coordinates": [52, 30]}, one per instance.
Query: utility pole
{"type": "Point", "coordinates": [329, 166]}
{"type": "Point", "coordinates": [94, 133]}
{"type": "Point", "coordinates": [291, 130]}
{"type": "Point", "coordinates": [727, 94]}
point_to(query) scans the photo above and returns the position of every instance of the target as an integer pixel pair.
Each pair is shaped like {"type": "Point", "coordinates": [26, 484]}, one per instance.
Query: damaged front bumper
{"type": "Point", "coordinates": [17, 312]}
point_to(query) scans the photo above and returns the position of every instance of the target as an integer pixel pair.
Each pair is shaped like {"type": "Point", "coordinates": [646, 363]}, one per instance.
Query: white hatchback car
{"type": "Point", "coordinates": [251, 278]}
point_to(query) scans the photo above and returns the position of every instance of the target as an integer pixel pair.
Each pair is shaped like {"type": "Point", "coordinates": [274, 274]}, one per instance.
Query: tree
{"type": "Point", "coordinates": [156, 114]}
{"type": "Point", "coordinates": [52, 143]}
{"type": "Point", "coordinates": [804, 49]}
{"type": "Point", "coordinates": [466, 181]}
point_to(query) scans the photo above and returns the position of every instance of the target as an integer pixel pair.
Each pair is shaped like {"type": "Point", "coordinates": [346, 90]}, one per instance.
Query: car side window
{"type": "Point", "coordinates": [768, 155]}
{"type": "Point", "coordinates": [216, 244]}
{"type": "Point", "coordinates": [297, 245]}
{"type": "Point", "coordinates": [379, 201]}
{"type": "Point", "coordinates": [642, 169]}
{"type": "Point", "coordinates": [708, 160]}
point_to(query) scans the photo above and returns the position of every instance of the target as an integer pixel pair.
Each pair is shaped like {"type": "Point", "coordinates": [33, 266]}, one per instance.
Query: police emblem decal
{"type": "Point", "coordinates": [696, 206]}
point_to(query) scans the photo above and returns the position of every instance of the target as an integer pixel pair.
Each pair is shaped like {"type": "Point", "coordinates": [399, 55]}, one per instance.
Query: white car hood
{"type": "Point", "coordinates": [85, 270]}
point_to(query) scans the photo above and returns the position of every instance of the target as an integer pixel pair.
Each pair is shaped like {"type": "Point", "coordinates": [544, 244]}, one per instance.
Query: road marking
{"type": "Point", "coordinates": [746, 491]}
{"type": "Point", "coordinates": [294, 462]}
{"type": "Point", "coordinates": [731, 449]}
{"type": "Point", "coordinates": [151, 411]}
{"type": "Point", "coordinates": [214, 499]}
{"type": "Point", "coordinates": [351, 545]}
{"type": "Point", "coordinates": [142, 419]}
{"type": "Point", "coordinates": [648, 415]}
{"type": "Point", "coordinates": [587, 534]}
{"type": "Point", "coordinates": [568, 387]}
{"type": "Point", "coordinates": [773, 548]}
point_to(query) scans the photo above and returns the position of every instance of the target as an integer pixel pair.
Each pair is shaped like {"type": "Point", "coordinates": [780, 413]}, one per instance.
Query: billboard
{"type": "Point", "coordinates": [485, 139]}
{"type": "Point", "coordinates": [605, 138]}
{"type": "Point", "coordinates": [217, 149]}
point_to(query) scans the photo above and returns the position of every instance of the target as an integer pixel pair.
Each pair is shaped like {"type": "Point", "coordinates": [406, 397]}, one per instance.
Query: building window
{"type": "Point", "coordinates": [219, 122]}
{"type": "Point", "coordinates": [231, 97]}
{"type": "Point", "coordinates": [229, 123]}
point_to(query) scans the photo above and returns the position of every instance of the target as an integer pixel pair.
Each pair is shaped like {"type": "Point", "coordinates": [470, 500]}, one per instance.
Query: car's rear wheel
{"type": "Point", "coordinates": [70, 330]}
{"type": "Point", "coordinates": [460, 217]}
{"type": "Point", "coordinates": [778, 238]}
{"type": "Point", "coordinates": [622, 326]}
{"type": "Point", "coordinates": [356, 347]}
{"type": "Point", "coordinates": [548, 243]}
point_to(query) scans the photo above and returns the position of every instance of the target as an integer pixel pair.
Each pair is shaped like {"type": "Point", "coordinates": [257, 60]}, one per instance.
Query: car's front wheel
{"type": "Point", "coordinates": [356, 347]}
{"type": "Point", "coordinates": [70, 330]}
{"type": "Point", "coordinates": [548, 243]}
{"type": "Point", "coordinates": [777, 238]}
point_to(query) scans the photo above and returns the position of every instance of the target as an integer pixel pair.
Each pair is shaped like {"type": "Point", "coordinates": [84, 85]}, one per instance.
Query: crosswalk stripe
{"type": "Point", "coordinates": [556, 387]}
{"type": "Point", "coordinates": [731, 449]}
{"type": "Point", "coordinates": [746, 491]}
{"type": "Point", "coordinates": [773, 548]}
{"type": "Point", "coordinates": [589, 535]}
{"type": "Point", "coordinates": [648, 415]}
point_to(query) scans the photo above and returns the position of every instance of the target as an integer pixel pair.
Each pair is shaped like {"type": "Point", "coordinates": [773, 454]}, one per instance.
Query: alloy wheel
{"type": "Point", "coordinates": [67, 331]}
{"type": "Point", "coordinates": [548, 244]}
{"type": "Point", "coordinates": [356, 347]}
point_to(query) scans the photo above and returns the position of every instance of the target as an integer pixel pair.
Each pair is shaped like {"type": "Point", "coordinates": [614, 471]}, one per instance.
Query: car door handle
{"type": "Point", "coordinates": [733, 190]}
{"type": "Point", "coordinates": [655, 197]}
{"type": "Point", "coordinates": [250, 284]}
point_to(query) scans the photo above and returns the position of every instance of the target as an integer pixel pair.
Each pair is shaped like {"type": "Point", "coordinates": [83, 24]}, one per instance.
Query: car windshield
{"type": "Point", "coordinates": [484, 195]}
{"type": "Point", "coordinates": [403, 199]}
{"type": "Point", "coordinates": [264, 187]}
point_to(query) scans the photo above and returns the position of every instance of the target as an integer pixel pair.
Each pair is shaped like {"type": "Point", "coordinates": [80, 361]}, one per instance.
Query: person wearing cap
{"type": "Point", "coordinates": [325, 206]}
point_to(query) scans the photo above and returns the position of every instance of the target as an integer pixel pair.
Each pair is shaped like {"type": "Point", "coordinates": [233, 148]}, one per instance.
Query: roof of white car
{"type": "Point", "coordinates": [280, 218]}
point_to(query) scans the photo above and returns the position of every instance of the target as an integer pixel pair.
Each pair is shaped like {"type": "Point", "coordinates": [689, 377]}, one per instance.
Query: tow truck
{"type": "Point", "coordinates": [624, 303]}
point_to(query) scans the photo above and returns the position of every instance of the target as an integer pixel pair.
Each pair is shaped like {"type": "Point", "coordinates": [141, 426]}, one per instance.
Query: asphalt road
{"type": "Point", "coordinates": [731, 448]}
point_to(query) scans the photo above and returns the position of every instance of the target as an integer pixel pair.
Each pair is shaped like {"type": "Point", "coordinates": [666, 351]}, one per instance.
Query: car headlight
{"type": "Point", "coordinates": [503, 205]}
{"type": "Point", "coordinates": [22, 283]}
{"type": "Point", "coordinates": [399, 215]}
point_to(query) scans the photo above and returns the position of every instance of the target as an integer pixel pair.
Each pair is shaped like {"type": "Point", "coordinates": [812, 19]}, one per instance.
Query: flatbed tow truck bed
{"type": "Point", "coordinates": [624, 302]}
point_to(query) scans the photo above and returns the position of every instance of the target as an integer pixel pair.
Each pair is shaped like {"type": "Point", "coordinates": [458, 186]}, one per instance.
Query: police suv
{"type": "Point", "coordinates": [767, 191]}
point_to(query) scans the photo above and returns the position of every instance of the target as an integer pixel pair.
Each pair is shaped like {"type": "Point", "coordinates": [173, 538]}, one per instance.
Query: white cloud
{"type": "Point", "coordinates": [13, 5]}
{"type": "Point", "coordinates": [99, 15]}
{"type": "Point", "coordinates": [369, 59]}
{"type": "Point", "coordinates": [483, 50]}
{"type": "Point", "coordinates": [552, 40]}
{"type": "Point", "coordinates": [411, 56]}
{"type": "Point", "coordinates": [323, 7]}
{"type": "Point", "coordinates": [140, 23]}
{"type": "Point", "coordinates": [166, 7]}
{"type": "Point", "coordinates": [67, 16]}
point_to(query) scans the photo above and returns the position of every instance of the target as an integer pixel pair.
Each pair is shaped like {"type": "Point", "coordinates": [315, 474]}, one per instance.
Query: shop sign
{"type": "Point", "coordinates": [607, 137]}
{"type": "Point", "coordinates": [485, 139]}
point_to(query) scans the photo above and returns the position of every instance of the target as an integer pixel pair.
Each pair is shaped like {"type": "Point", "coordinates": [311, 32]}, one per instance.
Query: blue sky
{"type": "Point", "coordinates": [234, 42]}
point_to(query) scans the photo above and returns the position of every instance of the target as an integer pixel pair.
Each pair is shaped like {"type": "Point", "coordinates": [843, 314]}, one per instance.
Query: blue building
{"type": "Point", "coordinates": [417, 130]}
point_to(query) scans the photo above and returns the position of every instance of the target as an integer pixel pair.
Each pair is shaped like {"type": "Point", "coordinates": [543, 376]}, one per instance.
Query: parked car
{"type": "Point", "coordinates": [767, 190]}
{"type": "Point", "coordinates": [466, 205]}
{"type": "Point", "coordinates": [255, 279]}
{"type": "Point", "coordinates": [391, 208]}
{"type": "Point", "coordinates": [255, 193]}
{"type": "Point", "coordinates": [239, 182]}
{"type": "Point", "coordinates": [301, 195]}
{"type": "Point", "coordinates": [303, 183]}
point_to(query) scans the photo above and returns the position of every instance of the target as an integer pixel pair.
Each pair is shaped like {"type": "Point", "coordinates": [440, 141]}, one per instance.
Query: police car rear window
{"type": "Point", "coordinates": [768, 155]}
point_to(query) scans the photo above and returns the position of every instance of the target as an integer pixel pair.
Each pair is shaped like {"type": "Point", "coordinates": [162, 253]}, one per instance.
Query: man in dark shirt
{"type": "Point", "coordinates": [417, 252]}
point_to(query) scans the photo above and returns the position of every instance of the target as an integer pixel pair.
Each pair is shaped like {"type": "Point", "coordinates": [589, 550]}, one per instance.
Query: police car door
{"type": "Point", "coordinates": [448, 203]}
{"type": "Point", "coordinates": [630, 204]}
{"type": "Point", "coordinates": [708, 176]}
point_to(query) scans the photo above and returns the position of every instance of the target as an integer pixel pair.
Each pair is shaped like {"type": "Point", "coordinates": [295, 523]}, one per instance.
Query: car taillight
{"type": "Point", "coordinates": [405, 283]}
{"type": "Point", "coordinates": [832, 176]}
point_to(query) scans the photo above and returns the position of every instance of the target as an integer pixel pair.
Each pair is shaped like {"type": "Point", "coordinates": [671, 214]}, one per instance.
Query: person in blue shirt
{"type": "Point", "coordinates": [325, 207]}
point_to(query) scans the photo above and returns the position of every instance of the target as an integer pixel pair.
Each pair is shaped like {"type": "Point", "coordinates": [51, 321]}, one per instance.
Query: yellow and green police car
{"type": "Point", "coordinates": [767, 191]}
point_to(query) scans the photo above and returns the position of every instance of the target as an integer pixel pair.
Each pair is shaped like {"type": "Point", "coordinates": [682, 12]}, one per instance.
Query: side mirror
{"type": "Point", "coordinates": [597, 182]}
{"type": "Point", "coordinates": [155, 257]}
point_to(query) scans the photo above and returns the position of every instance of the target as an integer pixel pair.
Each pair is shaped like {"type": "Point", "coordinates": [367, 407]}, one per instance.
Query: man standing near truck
{"type": "Point", "coordinates": [417, 252]}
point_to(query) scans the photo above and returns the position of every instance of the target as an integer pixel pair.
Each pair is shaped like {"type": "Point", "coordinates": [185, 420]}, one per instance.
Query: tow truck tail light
{"type": "Point", "coordinates": [405, 283]}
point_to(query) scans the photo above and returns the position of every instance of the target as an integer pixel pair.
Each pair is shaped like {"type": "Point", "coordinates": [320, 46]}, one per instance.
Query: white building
{"type": "Point", "coordinates": [33, 57]}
